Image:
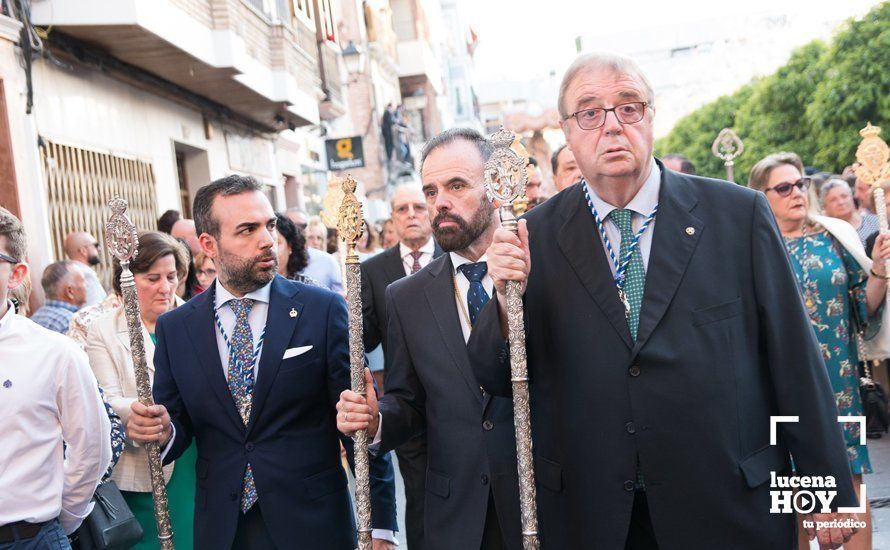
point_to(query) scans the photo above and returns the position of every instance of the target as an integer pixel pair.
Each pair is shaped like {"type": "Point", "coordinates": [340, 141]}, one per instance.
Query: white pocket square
{"type": "Point", "coordinates": [293, 352]}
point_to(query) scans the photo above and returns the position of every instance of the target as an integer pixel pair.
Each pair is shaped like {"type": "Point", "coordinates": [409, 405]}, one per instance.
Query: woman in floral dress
{"type": "Point", "coordinates": [840, 296]}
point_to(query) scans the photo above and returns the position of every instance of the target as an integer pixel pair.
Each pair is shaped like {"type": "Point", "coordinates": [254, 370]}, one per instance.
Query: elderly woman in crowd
{"type": "Point", "coordinates": [157, 270]}
{"type": "Point", "coordinates": [317, 234]}
{"type": "Point", "coordinates": [842, 290]}
{"type": "Point", "coordinates": [836, 199]}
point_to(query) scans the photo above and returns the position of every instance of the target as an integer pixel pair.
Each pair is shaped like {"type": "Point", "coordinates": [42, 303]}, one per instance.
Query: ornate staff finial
{"type": "Point", "coordinates": [350, 222]}
{"type": "Point", "coordinates": [120, 233]}
{"type": "Point", "coordinates": [727, 147]}
{"type": "Point", "coordinates": [505, 175]}
{"type": "Point", "coordinates": [873, 156]}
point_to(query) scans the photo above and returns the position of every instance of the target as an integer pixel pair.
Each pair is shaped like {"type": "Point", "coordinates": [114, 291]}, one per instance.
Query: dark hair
{"type": "Point", "coordinates": [54, 274]}
{"type": "Point", "coordinates": [450, 136]}
{"type": "Point", "coordinates": [554, 158]}
{"type": "Point", "coordinates": [14, 231]}
{"type": "Point", "coordinates": [686, 165]}
{"type": "Point", "coordinates": [533, 161]}
{"type": "Point", "coordinates": [153, 245]}
{"type": "Point", "coordinates": [227, 186]}
{"type": "Point", "coordinates": [167, 220]}
{"type": "Point", "coordinates": [299, 257]}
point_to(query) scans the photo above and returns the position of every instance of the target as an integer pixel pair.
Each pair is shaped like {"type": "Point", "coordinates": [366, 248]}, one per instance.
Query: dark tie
{"type": "Point", "coordinates": [241, 380]}
{"type": "Point", "coordinates": [416, 266]}
{"type": "Point", "coordinates": [635, 276]}
{"type": "Point", "coordinates": [476, 297]}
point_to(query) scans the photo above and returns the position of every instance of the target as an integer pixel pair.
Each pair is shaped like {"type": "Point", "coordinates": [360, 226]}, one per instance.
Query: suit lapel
{"type": "Point", "coordinates": [280, 327]}
{"type": "Point", "coordinates": [677, 232]}
{"type": "Point", "coordinates": [440, 295]}
{"type": "Point", "coordinates": [580, 243]}
{"type": "Point", "coordinates": [200, 325]}
{"type": "Point", "coordinates": [395, 270]}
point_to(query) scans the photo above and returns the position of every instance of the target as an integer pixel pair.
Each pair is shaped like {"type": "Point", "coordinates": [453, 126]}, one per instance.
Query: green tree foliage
{"type": "Point", "coordinates": [814, 105]}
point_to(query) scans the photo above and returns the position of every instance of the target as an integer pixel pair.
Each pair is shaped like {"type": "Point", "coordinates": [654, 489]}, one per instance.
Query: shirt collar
{"type": "Point", "coordinates": [7, 317]}
{"type": "Point", "coordinates": [223, 296]}
{"type": "Point", "coordinates": [457, 260]}
{"type": "Point", "coordinates": [643, 202]}
{"type": "Point", "coordinates": [428, 248]}
{"type": "Point", "coordinates": [61, 305]}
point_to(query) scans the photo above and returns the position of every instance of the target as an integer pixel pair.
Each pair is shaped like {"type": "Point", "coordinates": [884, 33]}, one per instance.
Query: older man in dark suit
{"type": "Point", "coordinates": [664, 330]}
{"type": "Point", "coordinates": [472, 499]}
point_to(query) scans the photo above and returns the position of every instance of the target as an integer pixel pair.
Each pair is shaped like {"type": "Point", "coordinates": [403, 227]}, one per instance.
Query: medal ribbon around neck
{"type": "Point", "coordinates": [620, 267]}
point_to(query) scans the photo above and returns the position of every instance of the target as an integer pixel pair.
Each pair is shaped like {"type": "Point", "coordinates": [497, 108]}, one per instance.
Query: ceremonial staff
{"type": "Point", "coordinates": [505, 180]}
{"type": "Point", "coordinates": [727, 147]}
{"type": "Point", "coordinates": [350, 226]}
{"type": "Point", "coordinates": [123, 243]}
{"type": "Point", "coordinates": [873, 156]}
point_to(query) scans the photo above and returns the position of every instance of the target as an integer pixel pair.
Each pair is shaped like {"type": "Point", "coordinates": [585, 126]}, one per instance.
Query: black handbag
{"type": "Point", "coordinates": [111, 525]}
{"type": "Point", "coordinates": [874, 404]}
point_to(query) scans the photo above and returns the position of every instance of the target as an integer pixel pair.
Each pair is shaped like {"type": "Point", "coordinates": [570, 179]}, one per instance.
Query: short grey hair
{"type": "Point", "coordinates": [456, 134]}
{"type": "Point", "coordinates": [615, 63]}
{"type": "Point", "coordinates": [404, 186]}
{"type": "Point", "coordinates": [55, 274]}
{"type": "Point", "coordinates": [829, 185]}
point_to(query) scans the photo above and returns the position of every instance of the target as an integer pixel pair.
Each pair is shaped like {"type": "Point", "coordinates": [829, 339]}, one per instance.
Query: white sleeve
{"type": "Point", "coordinates": [86, 431]}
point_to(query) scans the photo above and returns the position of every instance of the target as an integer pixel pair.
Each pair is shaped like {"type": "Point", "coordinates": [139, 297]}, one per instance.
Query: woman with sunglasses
{"type": "Point", "coordinates": [842, 289]}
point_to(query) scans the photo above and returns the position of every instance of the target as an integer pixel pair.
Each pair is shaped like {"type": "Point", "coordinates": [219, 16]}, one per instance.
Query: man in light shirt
{"type": "Point", "coordinates": [48, 395]}
{"type": "Point", "coordinates": [83, 248]}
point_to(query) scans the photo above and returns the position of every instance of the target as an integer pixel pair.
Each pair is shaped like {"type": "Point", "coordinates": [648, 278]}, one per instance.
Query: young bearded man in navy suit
{"type": "Point", "coordinates": [251, 371]}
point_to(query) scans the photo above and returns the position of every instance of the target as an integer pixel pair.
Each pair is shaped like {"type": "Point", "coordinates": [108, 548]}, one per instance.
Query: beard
{"type": "Point", "coordinates": [94, 260]}
{"type": "Point", "coordinates": [453, 239]}
{"type": "Point", "coordinates": [244, 274]}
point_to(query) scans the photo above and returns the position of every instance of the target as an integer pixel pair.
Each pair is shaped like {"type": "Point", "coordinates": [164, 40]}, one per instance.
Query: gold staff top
{"type": "Point", "coordinates": [350, 223]}
{"type": "Point", "coordinates": [873, 155]}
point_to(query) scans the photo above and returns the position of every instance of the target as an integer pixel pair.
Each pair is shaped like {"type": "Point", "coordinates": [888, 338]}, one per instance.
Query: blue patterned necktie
{"type": "Point", "coordinates": [635, 275]}
{"type": "Point", "coordinates": [476, 296]}
{"type": "Point", "coordinates": [241, 380]}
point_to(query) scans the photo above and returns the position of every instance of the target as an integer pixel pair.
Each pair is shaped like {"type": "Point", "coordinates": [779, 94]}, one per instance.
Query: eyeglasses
{"type": "Point", "coordinates": [626, 113]}
{"type": "Point", "coordinates": [7, 258]}
{"type": "Point", "coordinates": [784, 189]}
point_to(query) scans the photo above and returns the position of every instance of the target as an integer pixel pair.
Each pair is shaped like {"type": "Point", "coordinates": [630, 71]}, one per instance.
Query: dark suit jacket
{"type": "Point", "coordinates": [431, 388]}
{"type": "Point", "coordinates": [724, 343]}
{"type": "Point", "coordinates": [291, 441]}
{"type": "Point", "coordinates": [378, 272]}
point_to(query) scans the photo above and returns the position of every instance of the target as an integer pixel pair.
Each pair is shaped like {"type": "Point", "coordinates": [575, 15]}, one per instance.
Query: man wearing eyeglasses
{"type": "Point", "coordinates": [83, 248]}
{"type": "Point", "coordinates": [48, 395]}
{"type": "Point", "coordinates": [664, 332]}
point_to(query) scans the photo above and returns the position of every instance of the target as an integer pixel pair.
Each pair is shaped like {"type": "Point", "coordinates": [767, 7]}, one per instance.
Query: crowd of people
{"type": "Point", "coordinates": [669, 317]}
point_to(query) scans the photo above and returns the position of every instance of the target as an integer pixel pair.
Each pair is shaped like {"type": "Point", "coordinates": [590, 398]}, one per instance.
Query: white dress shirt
{"type": "Point", "coordinates": [642, 205]}
{"type": "Point", "coordinates": [463, 287]}
{"type": "Point", "coordinates": [426, 255]}
{"type": "Point", "coordinates": [256, 319]}
{"type": "Point", "coordinates": [48, 395]}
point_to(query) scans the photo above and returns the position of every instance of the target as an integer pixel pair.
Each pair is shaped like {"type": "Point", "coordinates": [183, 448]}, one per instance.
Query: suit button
{"type": "Point", "coordinates": [487, 425]}
{"type": "Point", "coordinates": [233, 496]}
{"type": "Point", "coordinates": [249, 446]}
{"type": "Point", "coordinates": [484, 479]}
{"type": "Point", "coordinates": [628, 485]}
{"type": "Point", "coordinates": [630, 428]}
{"type": "Point", "coordinates": [634, 371]}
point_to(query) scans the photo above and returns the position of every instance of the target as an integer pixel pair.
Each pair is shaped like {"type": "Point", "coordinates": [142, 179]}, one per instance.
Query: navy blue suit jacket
{"type": "Point", "coordinates": [291, 440]}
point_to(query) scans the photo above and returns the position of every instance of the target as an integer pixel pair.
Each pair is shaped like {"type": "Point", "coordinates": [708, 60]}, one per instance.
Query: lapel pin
{"type": "Point", "coordinates": [293, 312]}
{"type": "Point", "coordinates": [690, 231]}
{"type": "Point", "coordinates": [7, 384]}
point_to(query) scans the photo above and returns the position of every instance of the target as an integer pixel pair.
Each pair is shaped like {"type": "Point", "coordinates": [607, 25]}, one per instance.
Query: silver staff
{"type": "Point", "coordinates": [123, 243]}
{"type": "Point", "coordinates": [727, 147]}
{"type": "Point", "coordinates": [505, 180]}
{"type": "Point", "coordinates": [350, 226]}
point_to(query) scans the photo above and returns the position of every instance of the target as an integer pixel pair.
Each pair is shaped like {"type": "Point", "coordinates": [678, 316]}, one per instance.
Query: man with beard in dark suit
{"type": "Point", "coordinates": [416, 249]}
{"type": "Point", "coordinates": [472, 499]}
